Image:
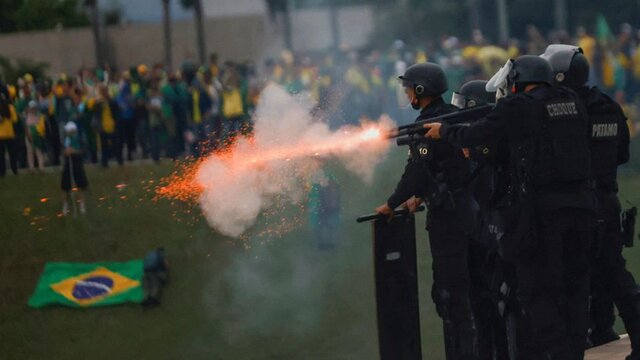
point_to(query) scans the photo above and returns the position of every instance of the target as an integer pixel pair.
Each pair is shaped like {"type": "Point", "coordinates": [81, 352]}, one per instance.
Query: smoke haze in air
{"type": "Point", "coordinates": [288, 151]}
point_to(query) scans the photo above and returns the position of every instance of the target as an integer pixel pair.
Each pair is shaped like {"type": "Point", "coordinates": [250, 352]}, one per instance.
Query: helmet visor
{"type": "Point", "coordinates": [501, 78]}
{"type": "Point", "coordinates": [458, 100]}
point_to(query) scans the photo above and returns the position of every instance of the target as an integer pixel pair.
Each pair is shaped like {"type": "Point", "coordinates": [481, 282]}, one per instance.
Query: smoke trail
{"type": "Point", "coordinates": [287, 150]}
{"type": "Point", "coordinates": [275, 289]}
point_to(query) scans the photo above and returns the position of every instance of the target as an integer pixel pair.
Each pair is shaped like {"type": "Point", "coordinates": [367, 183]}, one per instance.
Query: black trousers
{"type": "Point", "coordinates": [485, 298]}
{"type": "Point", "coordinates": [110, 146]}
{"type": "Point", "coordinates": [73, 173]}
{"type": "Point", "coordinates": [450, 235]}
{"type": "Point", "coordinates": [611, 282]}
{"type": "Point", "coordinates": [126, 132]}
{"type": "Point", "coordinates": [54, 144]}
{"type": "Point", "coordinates": [154, 143]}
{"type": "Point", "coordinates": [9, 146]}
{"type": "Point", "coordinates": [553, 286]}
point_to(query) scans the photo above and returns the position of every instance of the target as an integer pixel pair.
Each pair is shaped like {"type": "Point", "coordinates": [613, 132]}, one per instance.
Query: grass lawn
{"type": "Point", "coordinates": [254, 298]}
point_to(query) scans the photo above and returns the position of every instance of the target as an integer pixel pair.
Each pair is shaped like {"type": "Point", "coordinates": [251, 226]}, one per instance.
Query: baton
{"type": "Point", "coordinates": [398, 212]}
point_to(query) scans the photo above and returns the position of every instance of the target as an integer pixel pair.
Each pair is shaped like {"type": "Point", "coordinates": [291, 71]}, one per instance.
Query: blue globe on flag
{"type": "Point", "coordinates": [92, 287]}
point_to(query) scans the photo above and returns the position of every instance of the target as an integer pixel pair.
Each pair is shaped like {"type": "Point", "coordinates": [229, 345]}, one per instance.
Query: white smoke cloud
{"type": "Point", "coordinates": [286, 152]}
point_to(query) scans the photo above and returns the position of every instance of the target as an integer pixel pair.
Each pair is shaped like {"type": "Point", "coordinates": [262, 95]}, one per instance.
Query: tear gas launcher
{"type": "Point", "coordinates": [406, 134]}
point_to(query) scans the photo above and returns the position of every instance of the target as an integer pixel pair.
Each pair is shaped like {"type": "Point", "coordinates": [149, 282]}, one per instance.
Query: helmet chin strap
{"type": "Point", "coordinates": [415, 103]}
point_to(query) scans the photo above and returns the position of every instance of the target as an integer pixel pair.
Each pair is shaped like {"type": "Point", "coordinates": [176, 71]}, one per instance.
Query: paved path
{"type": "Point", "coordinates": [616, 350]}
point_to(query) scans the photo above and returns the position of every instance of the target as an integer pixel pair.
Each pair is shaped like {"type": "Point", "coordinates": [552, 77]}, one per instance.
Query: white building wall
{"type": "Point", "coordinates": [311, 28]}
{"type": "Point", "coordinates": [229, 8]}
{"type": "Point", "coordinates": [235, 37]}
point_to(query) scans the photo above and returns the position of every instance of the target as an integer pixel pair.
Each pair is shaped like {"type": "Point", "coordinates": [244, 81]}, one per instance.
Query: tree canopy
{"type": "Point", "coordinates": [28, 15]}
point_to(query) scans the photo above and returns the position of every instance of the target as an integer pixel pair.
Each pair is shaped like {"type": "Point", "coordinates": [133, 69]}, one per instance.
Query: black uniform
{"type": "Point", "coordinates": [450, 225]}
{"type": "Point", "coordinates": [483, 259]}
{"type": "Point", "coordinates": [545, 133]}
{"type": "Point", "coordinates": [610, 278]}
{"type": "Point", "coordinates": [491, 289]}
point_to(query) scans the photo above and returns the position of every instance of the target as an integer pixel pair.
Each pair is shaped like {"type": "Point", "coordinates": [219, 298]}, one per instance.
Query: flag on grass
{"type": "Point", "coordinates": [88, 285]}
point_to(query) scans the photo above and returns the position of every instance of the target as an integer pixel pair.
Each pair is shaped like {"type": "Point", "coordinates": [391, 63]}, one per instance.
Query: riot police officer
{"type": "Point", "coordinates": [484, 264]}
{"type": "Point", "coordinates": [609, 148]}
{"type": "Point", "coordinates": [473, 93]}
{"type": "Point", "coordinates": [436, 173]}
{"type": "Point", "coordinates": [549, 201]}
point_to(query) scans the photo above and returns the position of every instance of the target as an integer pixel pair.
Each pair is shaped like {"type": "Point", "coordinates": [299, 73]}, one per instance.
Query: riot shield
{"type": "Point", "coordinates": [396, 280]}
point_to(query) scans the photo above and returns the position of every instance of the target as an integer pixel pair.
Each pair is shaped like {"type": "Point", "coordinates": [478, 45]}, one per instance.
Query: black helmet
{"type": "Point", "coordinates": [570, 66]}
{"type": "Point", "coordinates": [426, 79]}
{"type": "Point", "coordinates": [530, 69]}
{"type": "Point", "coordinates": [473, 93]}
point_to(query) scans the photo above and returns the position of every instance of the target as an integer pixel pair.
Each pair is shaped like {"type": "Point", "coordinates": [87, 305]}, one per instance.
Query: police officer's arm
{"type": "Point", "coordinates": [480, 132]}
{"type": "Point", "coordinates": [623, 139]}
{"type": "Point", "coordinates": [408, 184]}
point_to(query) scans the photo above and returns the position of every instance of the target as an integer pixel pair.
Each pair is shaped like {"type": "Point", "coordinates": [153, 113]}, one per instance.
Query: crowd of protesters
{"type": "Point", "coordinates": [148, 112]}
{"type": "Point", "coordinates": [139, 112]}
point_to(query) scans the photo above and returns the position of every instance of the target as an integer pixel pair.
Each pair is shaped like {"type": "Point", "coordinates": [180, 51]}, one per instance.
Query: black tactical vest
{"type": "Point", "coordinates": [446, 162]}
{"type": "Point", "coordinates": [605, 119]}
{"type": "Point", "coordinates": [560, 153]}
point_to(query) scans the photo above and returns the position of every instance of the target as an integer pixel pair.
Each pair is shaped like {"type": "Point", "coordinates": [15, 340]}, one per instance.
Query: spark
{"type": "Point", "coordinates": [252, 180]}
{"type": "Point", "coordinates": [184, 184]}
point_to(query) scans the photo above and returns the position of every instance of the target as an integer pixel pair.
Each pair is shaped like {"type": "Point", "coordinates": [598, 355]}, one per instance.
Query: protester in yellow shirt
{"type": "Point", "coordinates": [232, 106]}
{"type": "Point", "coordinates": [105, 110]}
{"type": "Point", "coordinates": [8, 118]}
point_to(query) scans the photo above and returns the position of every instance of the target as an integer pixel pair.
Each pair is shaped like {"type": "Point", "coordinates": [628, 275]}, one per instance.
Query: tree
{"type": "Point", "coordinates": [166, 15]}
{"type": "Point", "coordinates": [8, 9]}
{"type": "Point", "coordinates": [10, 71]}
{"type": "Point", "coordinates": [94, 15]}
{"type": "Point", "coordinates": [283, 7]}
{"type": "Point", "coordinates": [196, 5]}
{"type": "Point", "coordinates": [335, 26]}
{"type": "Point", "coordinates": [47, 14]}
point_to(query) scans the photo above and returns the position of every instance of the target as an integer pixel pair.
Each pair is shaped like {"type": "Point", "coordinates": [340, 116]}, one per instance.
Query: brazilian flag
{"type": "Point", "coordinates": [87, 285]}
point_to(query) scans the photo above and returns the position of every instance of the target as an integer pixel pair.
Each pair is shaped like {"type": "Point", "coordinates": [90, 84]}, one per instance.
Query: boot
{"type": "Point", "coordinates": [629, 310]}
{"type": "Point", "coordinates": [603, 336]}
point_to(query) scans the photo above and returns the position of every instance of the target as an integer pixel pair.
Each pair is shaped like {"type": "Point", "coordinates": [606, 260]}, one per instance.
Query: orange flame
{"type": "Point", "coordinates": [183, 184]}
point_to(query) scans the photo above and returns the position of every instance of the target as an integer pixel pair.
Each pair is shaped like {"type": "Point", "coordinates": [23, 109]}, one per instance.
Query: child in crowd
{"type": "Point", "coordinates": [35, 139]}
{"type": "Point", "coordinates": [156, 113]}
{"type": "Point", "coordinates": [73, 169]}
